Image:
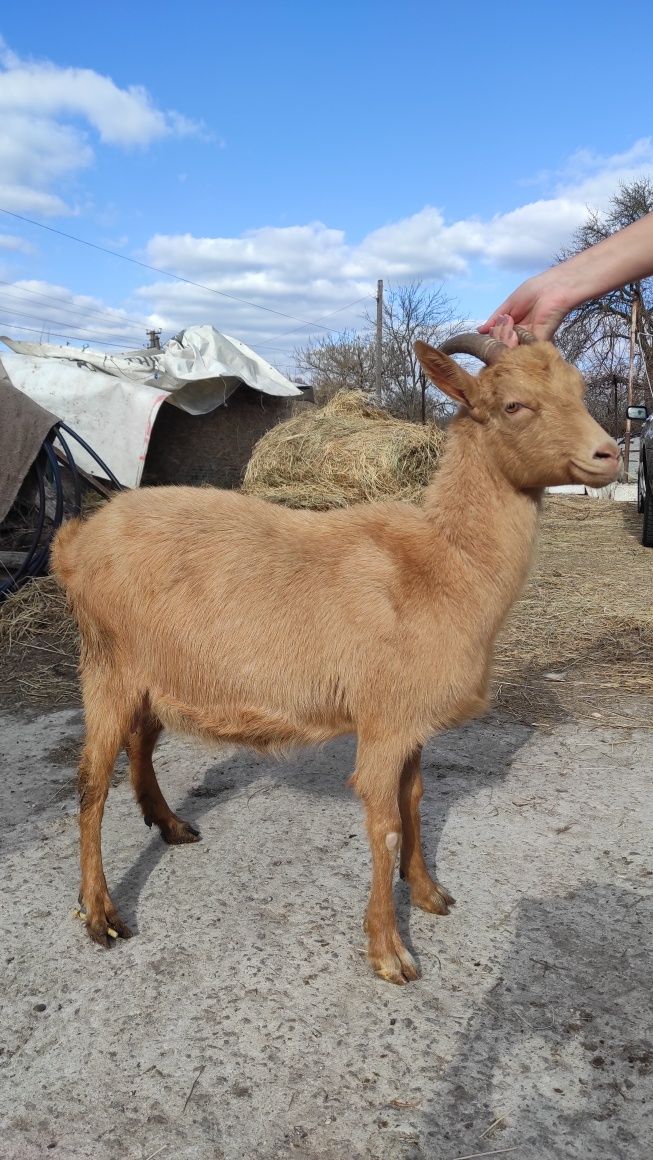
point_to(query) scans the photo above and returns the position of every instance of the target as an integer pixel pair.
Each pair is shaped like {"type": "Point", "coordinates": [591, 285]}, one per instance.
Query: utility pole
{"type": "Point", "coordinates": [154, 337]}
{"type": "Point", "coordinates": [379, 340]}
{"type": "Point", "coordinates": [631, 375]}
{"type": "Point", "coordinates": [422, 387]}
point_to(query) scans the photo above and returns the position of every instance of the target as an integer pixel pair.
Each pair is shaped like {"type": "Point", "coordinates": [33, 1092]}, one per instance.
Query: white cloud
{"type": "Point", "coordinates": [309, 271]}
{"type": "Point", "coordinates": [11, 244]}
{"type": "Point", "coordinates": [312, 269]}
{"type": "Point", "coordinates": [23, 199]}
{"type": "Point", "coordinates": [41, 139]}
{"type": "Point", "coordinates": [35, 310]}
{"type": "Point", "coordinates": [587, 171]}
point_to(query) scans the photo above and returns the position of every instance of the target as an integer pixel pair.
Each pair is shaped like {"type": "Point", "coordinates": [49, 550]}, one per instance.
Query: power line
{"type": "Point", "coordinates": [323, 316]}
{"type": "Point", "coordinates": [73, 310]}
{"type": "Point", "coordinates": [47, 321]}
{"type": "Point", "coordinates": [66, 319]}
{"type": "Point", "coordinates": [58, 334]}
{"type": "Point", "coordinates": [267, 346]}
{"type": "Point", "coordinates": [78, 308]}
{"type": "Point", "coordinates": [157, 270]}
{"type": "Point", "coordinates": [362, 317]}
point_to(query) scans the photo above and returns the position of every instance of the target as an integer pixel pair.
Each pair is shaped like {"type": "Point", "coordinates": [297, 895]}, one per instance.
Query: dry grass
{"type": "Point", "coordinates": [343, 453]}
{"type": "Point", "coordinates": [39, 646]}
{"type": "Point", "coordinates": [586, 616]}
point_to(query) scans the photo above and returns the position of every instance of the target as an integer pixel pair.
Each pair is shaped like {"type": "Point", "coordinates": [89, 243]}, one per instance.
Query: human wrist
{"type": "Point", "coordinates": [571, 283]}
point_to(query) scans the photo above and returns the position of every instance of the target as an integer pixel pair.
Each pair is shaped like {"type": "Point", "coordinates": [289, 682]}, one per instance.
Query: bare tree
{"type": "Point", "coordinates": [411, 312]}
{"type": "Point", "coordinates": [347, 361]}
{"type": "Point", "coordinates": [596, 335]}
{"type": "Point", "coordinates": [342, 363]}
{"type": "Point", "coordinates": [607, 394]}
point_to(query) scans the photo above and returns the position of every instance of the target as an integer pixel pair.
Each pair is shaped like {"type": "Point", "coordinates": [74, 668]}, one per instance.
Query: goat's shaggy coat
{"type": "Point", "coordinates": [211, 613]}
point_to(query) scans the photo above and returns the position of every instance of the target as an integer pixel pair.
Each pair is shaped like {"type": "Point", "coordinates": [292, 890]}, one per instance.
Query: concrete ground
{"type": "Point", "coordinates": [242, 1021]}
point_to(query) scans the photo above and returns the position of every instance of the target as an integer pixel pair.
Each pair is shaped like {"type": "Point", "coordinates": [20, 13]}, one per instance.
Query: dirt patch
{"type": "Point", "coordinates": [243, 1019]}
{"type": "Point", "coordinates": [66, 752]}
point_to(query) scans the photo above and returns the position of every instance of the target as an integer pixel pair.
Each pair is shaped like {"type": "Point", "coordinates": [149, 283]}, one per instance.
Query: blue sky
{"type": "Point", "coordinates": [289, 154]}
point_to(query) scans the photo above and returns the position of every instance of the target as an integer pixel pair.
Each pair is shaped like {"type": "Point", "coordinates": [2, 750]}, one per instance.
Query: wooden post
{"type": "Point", "coordinates": [422, 387]}
{"type": "Point", "coordinates": [379, 341]}
{"type": "Point", "coordinates": [631, 375]}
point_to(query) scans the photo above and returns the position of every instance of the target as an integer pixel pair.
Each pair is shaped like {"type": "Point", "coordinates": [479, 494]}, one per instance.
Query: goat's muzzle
{"type": "Point", "coordinates": [601, 467]}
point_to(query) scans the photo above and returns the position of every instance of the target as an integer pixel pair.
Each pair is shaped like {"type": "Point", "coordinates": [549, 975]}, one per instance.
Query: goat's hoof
{"type": "Point", "coordinates": [178, 832]}
{"type": "Point", "coordinates": [435, 900]}
{"type": "Point", "coordinates": [399, 968]}
{"type": "Point", "coordinates": [104, 931]}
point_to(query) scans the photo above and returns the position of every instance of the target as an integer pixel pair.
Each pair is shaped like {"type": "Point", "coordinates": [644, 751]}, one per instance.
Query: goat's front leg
{"type": "Point", "coordinates": [376, 781]}
{"type": "Point", "coordinates": [425, 891]}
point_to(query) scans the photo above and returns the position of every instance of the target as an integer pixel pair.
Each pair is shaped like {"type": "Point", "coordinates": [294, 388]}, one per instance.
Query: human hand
{"type": "Point", "coordinates": [539, 305]}
{"type": "Point", "coordinates": [504, 330]}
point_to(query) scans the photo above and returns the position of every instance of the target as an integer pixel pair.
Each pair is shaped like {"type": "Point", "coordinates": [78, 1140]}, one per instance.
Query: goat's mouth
{"type": "Point", "coordinates": [593, 475]}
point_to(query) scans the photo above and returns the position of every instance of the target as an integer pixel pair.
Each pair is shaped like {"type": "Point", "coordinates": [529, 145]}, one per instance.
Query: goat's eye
{"type": "Point", "coordinates": [512, 408]}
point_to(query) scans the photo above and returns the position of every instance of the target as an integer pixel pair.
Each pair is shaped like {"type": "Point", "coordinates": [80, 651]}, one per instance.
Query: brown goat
{"type": "Point", "coordinates": [226, 617]}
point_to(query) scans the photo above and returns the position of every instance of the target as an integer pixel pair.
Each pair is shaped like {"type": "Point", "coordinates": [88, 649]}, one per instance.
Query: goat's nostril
{"type": "Point", "coordinates": [608, 450]}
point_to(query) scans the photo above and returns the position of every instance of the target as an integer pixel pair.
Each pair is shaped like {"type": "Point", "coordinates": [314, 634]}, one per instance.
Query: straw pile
{"type": "Point", "coordinates": [343, 453]}
{"type": "Point", "coordinates": [39, 647]}
{"type": "Point", "coordinates": [580, 641]}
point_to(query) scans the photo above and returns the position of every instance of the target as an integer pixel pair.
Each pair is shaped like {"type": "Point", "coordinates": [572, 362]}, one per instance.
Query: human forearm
{"type": "Point", "coordinates": [541, 303]}
{"type": "Point", "coordinates": [624, 257]}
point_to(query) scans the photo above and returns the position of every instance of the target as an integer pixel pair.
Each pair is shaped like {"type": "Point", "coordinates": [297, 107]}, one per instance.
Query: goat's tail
{"type": "Point", "coordinates": [63, 553]}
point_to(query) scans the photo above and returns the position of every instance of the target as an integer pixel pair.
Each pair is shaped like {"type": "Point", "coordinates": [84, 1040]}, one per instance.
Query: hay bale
{"type": "Point", "coordinates": [346, 452]}
{"type": "Point", "coordinates": [39, 646]}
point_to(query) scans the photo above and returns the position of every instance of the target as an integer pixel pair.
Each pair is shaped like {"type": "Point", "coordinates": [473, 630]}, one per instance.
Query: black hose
{"type": "Point", "coordinates": [101, 464]}
{"type": "Point", "coordinates": [37, 555]}
{"type": "Point", "coordinates": [39, 561]}
{"type": "Point", "coordinates": [77, 502]}
{"type": "Point", "coordinates": [11, 582]}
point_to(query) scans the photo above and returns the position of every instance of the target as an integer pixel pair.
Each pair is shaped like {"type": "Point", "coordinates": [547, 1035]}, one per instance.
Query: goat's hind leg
{"type": "Point", "coordinates": [140, 746]}
{"type": "Point", "coordinates": [425, 891]}
{"type": "Point", "coordinates": [107, 721]}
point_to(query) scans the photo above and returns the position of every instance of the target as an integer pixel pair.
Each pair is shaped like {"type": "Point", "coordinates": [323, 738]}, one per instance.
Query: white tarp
{"type": "Point", "coordinates": [112, 400]}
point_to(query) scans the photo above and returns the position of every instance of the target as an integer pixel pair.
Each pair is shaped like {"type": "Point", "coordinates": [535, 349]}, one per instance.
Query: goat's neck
{"type": "Point", "coordinates": [483, 517]}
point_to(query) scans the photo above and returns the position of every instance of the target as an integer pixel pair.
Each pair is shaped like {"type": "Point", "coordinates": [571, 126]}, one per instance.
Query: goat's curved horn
{"type": "Point", "coordinates": [489, 350]}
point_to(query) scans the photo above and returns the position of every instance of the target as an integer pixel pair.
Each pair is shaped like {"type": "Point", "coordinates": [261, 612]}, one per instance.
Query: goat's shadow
{"type": "Point", "coordinates": [455, 764]}
{"type": "Point", "coordinates": [559, 1054]}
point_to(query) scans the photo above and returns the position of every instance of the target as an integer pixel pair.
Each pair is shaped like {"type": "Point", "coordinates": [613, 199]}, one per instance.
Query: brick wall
{"type": "Point", "coordinates": [213, 448]}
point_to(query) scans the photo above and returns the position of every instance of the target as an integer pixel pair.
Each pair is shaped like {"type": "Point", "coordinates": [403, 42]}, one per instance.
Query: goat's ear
{"type": "Point", "coordinates": [451, 378]}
